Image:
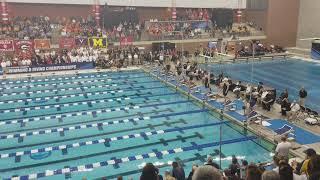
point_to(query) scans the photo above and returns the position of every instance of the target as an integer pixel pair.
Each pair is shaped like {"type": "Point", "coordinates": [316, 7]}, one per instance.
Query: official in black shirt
{"type": "Point", "coordinates": [302, 96]}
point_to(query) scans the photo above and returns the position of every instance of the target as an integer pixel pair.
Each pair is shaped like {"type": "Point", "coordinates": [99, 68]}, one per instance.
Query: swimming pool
{"type": "Point", "coordinates": [110, 124]}
{"type": "Point", "coordinates": [280, 74]}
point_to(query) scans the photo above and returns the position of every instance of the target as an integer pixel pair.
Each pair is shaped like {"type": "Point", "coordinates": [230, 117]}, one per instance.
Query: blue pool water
{"type": "Point", "coordinates": [280, 74]}
{"type": "Point", "coordinates": [110, 124]}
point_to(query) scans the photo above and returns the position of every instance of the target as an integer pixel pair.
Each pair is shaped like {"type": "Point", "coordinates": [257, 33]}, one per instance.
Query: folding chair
{"type": "Point", "coordinates": [284, 130]}
{"type": "Point", "coordinates": [230, 106]}
{"type": "Point", "coordinates": [253, 115]}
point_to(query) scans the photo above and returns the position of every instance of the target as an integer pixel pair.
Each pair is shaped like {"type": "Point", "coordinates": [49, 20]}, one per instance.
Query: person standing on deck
{"type": "Point", "coordinates": [302, 95]}
{"type": "Point", "coordinates": [283, 148]}
{"type": "Point", "coordinates": [4, 67]}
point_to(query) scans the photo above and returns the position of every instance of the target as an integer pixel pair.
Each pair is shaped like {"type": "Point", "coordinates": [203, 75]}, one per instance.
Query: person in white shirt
{"type": "Point", "coordinates": [28, 62]}
{"type": "Point", "coordinates": [121, 56]}
{"type": "Point", "coordinates": [295, 108]}
{"type": "Point", "coordinates": [138, 27]}
{"type": "Point", "coordinates": [83, 58]}
{"type": "Point", "coordinates": [72, 59]}
{"type": "Point", "coordinates": [237, 89]}
{"type": "Point", "coordinates": [3, 64]}
{"type": "Point", "coordinates": [224, 80]}
{"type": "Point", "coordinates": [283, 148]}
{"type": "Point", "coordinates": [263, 95]}
{"type": "Point", "coordinates": [8, 63]}
{"type": "Point", "coordinates": [130, 59]}
{"type": "Point", "coordinates": [86, 58]}
{"type": "Point", "coordinates": [77, 58]}
{"type": "Point", "coordinates": [53, 53]}
{"type": "Point", "coordinates": [188, 67]}
{"type": "Point", "coordinates": [4, 67]}
{"type": "Point", "coordinates": [161, 58]}
{"type": "Point", "coordinates": [248, 90]}
{"type": "Point", "coordinates": [95, 57]}
{"type": "Point", "coordinates": [90, 58]}
{"type": "Point", "coordinates": [191, 34]}
{"type": "Point", "coordinates": [136, 58]}
{"type": "Point", "coordinates": [119, 29]}
{"type": "Point", "coordinates": [96, 52]}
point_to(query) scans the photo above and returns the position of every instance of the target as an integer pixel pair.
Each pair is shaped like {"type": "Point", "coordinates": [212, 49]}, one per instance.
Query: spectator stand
{"type": "Point", "coordinates": [280, 56]}
{"type": "Point", "coordinates": [170, 30]}
{"type": "Point", "coordinates": [217, 58]}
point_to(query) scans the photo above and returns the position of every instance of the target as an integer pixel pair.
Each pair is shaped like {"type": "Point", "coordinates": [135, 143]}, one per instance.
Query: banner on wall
{"type": "Point", "coordinates": [61, 67]}
{"type": "Point", "coordinates": [126, 41]}
{"type": "Point", "coordinates": [80, 42]}
{"type": "Point", "coordinates": [6, 45]}
{"type": "Point", "coordinates": [66, 43]}
{"type": "Point", "coordinates": [98, 42]}
{"type": "Point", "coordinates": [23, 45]}
{"type": "Point", "coordinates": [42, 43]}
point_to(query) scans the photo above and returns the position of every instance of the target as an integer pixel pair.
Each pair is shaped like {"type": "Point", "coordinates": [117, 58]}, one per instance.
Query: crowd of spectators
{"type": "Point", "coordinates": [194, 14]}
{"type": "Point", "coordinates": [32, 27]}
{"type": "Point", "coordinates": [177, 30]}
{"type": "Point", "coordinates": [280, 169]}
{"type": "Point", "coordinates": [126, 29]}
{"type": "Point", "coordinates": [121, 57]}
{"type": "Point", "coordinates": [48, 57]}
{"type": "Point", "coordinates": [240, 30]}
{"type": "Point", "coordinates": [113, 57]}
{"type": "Point", "coordinates": [258, 48]}
{"type": "Point", "coordinates": [191, 23]}
{"type": "Point", "coordinates": [132, 55]}
{"type": "Point", "coordinates": [79, 26]}
{"type": "Point", "coordinates": [43, 27]}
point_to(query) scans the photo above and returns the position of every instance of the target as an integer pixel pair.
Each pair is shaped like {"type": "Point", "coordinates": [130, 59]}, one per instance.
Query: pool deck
{"type": "Point", "coordinates": [270, 116]}
{"type": "Point", "coordinates": [274, 114]}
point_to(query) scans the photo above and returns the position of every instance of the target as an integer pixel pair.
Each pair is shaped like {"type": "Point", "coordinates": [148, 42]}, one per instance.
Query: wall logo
{"type": "Point", "coordinates": [98, 42]}
{"type": "Point", "coordinates": [6, 45]}
{"type": "Point", "coordinates": [23, 45]}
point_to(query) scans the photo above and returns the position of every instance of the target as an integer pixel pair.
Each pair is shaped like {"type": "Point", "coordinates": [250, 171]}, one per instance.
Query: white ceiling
{"type": "Point", "coordinates": [150, 3]}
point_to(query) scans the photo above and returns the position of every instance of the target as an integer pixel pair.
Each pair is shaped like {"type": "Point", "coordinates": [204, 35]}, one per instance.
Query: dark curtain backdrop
{"type": "Point", "coordinates": [115, 17]}
{"type": "Point", "coordinates": [222, 17]}
{"type": "Point", "coordinates": [163, 46]}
